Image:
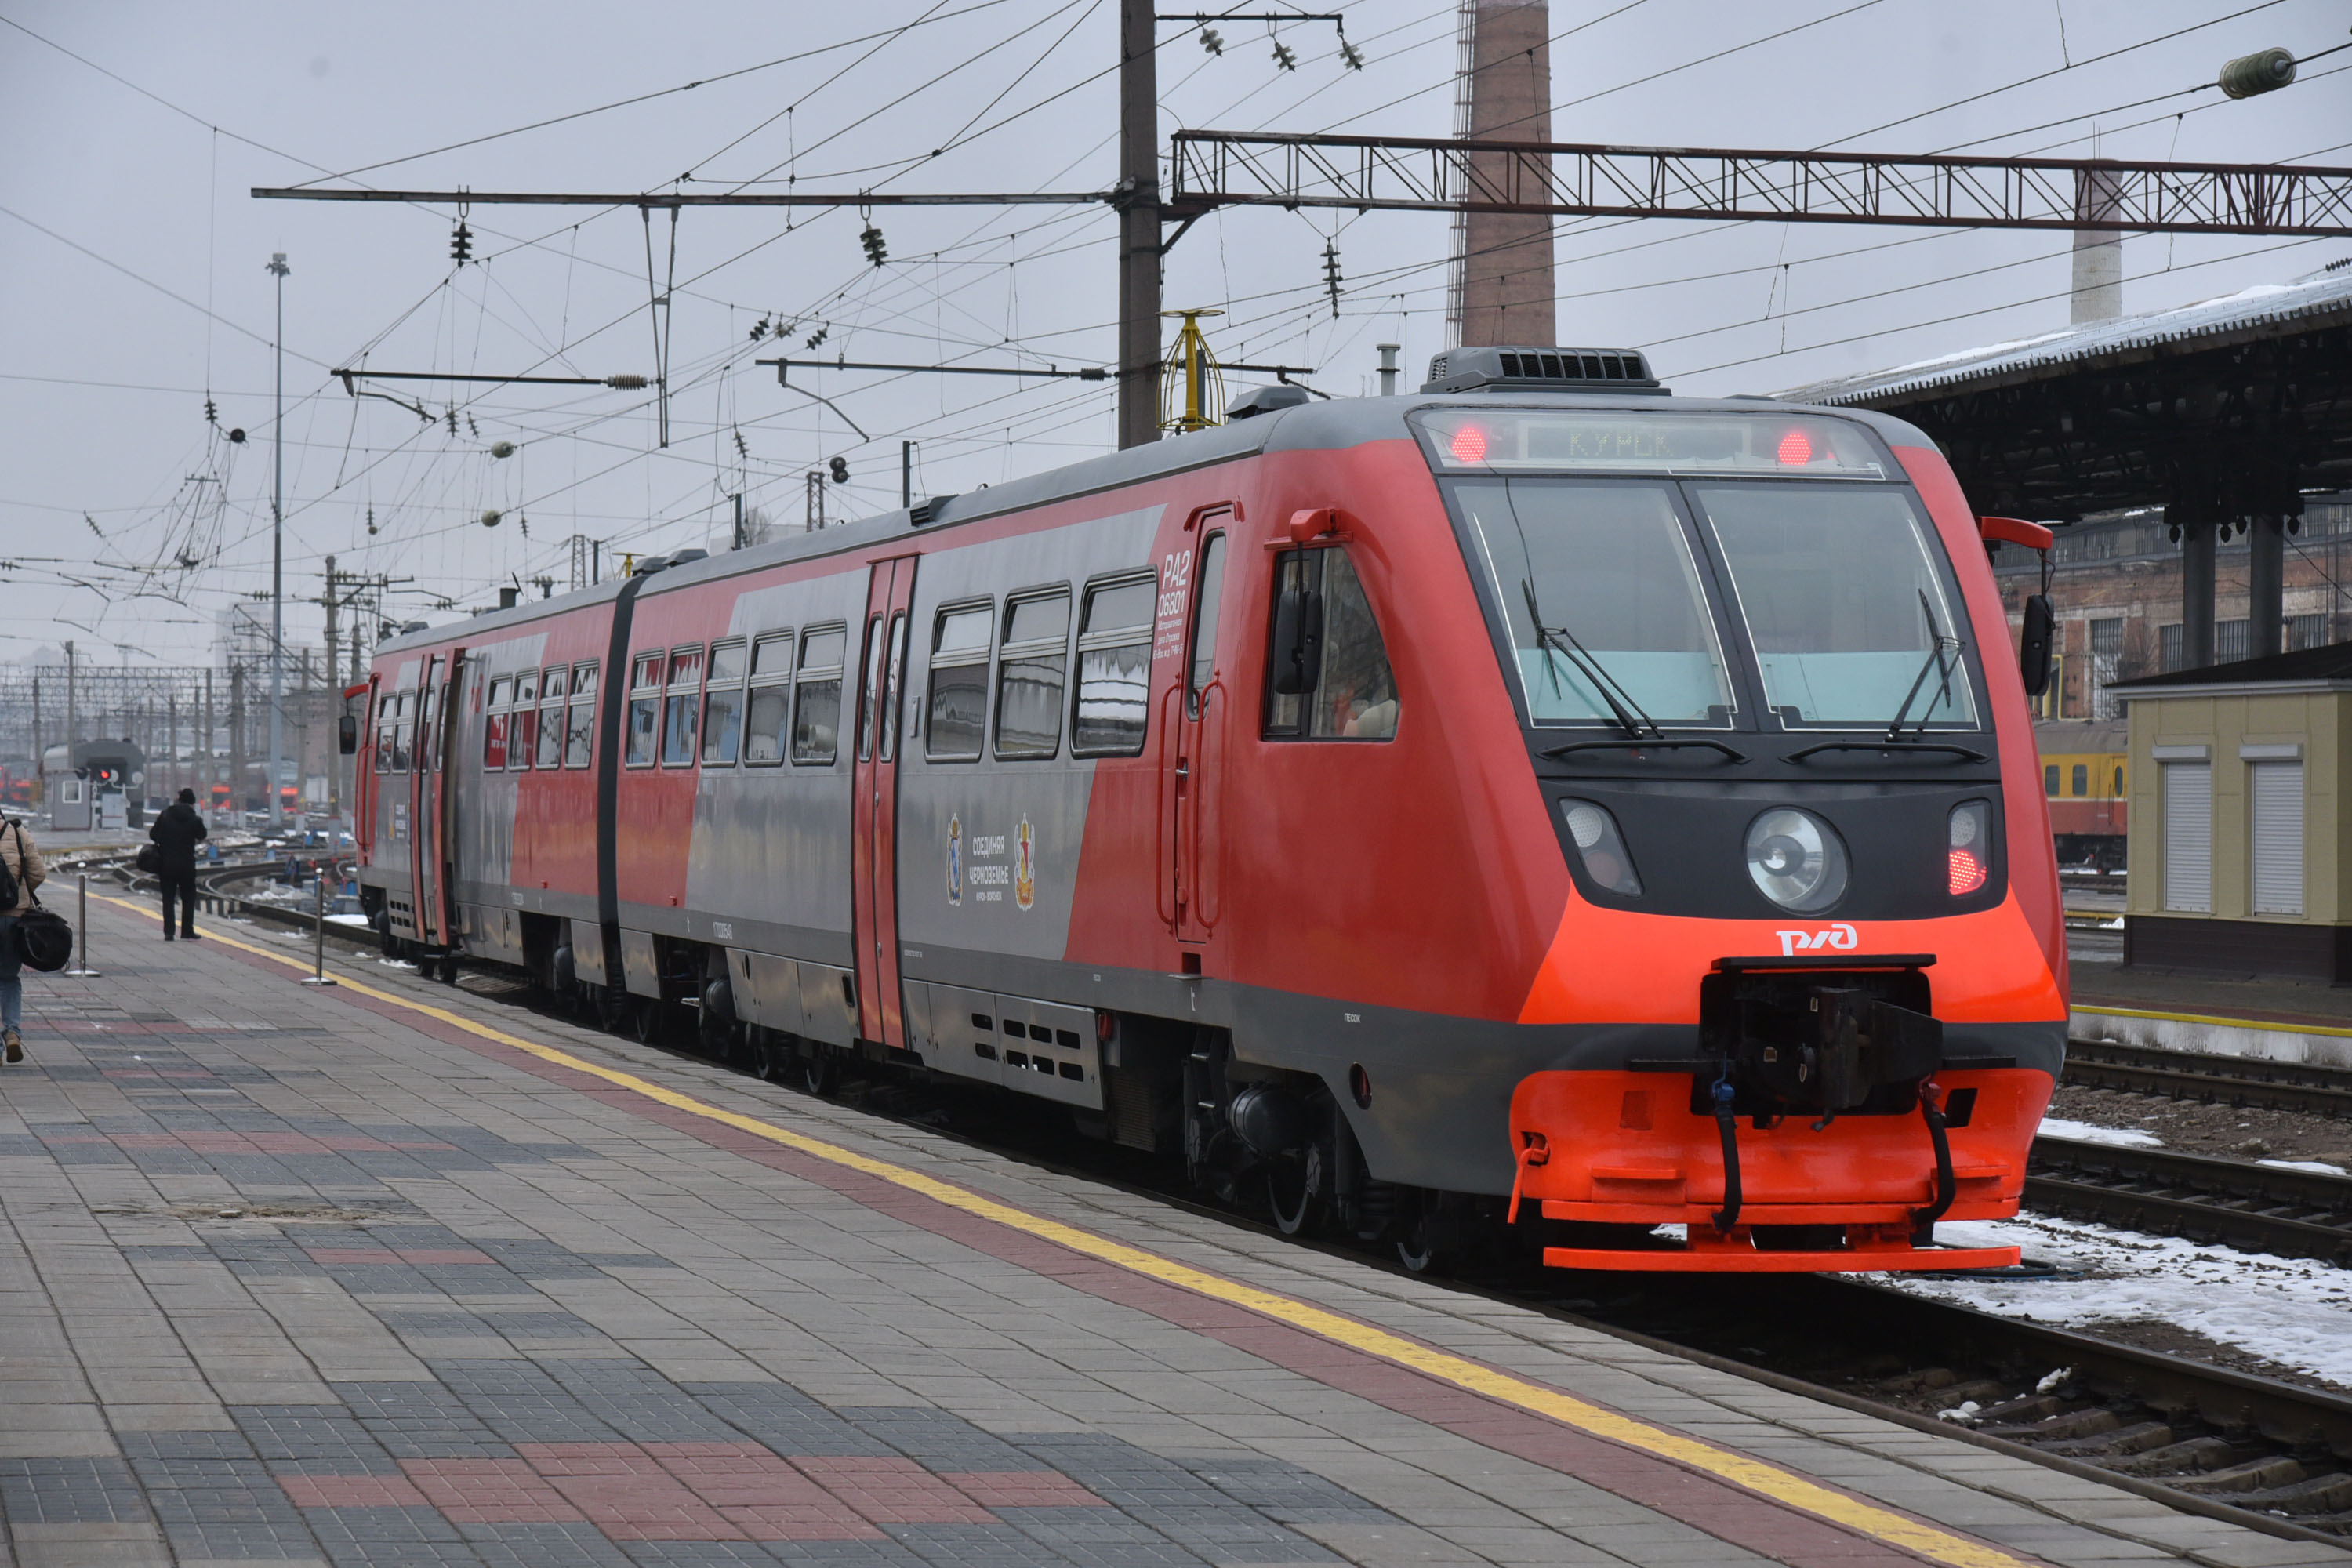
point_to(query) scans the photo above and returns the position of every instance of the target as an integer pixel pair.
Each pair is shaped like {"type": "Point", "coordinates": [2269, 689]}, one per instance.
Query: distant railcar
{"type": "Point", "coordinates": [1544, 800]}
{"type": "Point", "coordinates": [2085, 776]}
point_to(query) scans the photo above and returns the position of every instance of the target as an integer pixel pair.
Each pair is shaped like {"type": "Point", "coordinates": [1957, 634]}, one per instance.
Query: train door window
{"type": "Point", "coordinates": [550, 719]}
{"type": "Point", "coordinates": [404, 735]}
{"type": "Point", "coordinates": [817, 703]}
{"type": "Point", "coordinates": [959, 699]}
{"type": "Point", "coordinates": [2189, 838]}
{"type": "Point", "coordinates": [580, 725]}
{"type": "Point", "coordinates": [1030, 675]}
{"type": "Point", "coordinates": [1113, 669]}
{"type": "Point", "coordinates": [522, 736]}
{"type": "Point", "coordinates": [645, 709]}
{"type": "Point", "coordinates": [494, 727]}
{"type": "Point", "coordinates": [1349, 693]}
{"type": "Point", "coordinates": [869, 689]}
{"type": "Point", "coordinates": [683, 708]}
{"type": "Point", "coordinates": [2082, 778]}
{"type": "Point", "coordinates": [769, 713]}
{"type": "Point", "coordinates": [893, 683]}
{"type": "Point", "coordinates": [722, 705]}
{"type": "Point", "coordinates": [2050, 781]}
{"type": "Point", "coordinates": [1208, 594]}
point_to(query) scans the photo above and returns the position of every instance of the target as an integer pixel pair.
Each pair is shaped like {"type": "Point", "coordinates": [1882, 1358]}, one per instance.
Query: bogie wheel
{"type": "Point", "coordinates": [448, 969]}
{"type": "Point", "coordinates": [1298, 1192]}
{"type": "Point", "coordinates": [648, 1020]}
{"type": "Point", "coordinates": [821, 1071]}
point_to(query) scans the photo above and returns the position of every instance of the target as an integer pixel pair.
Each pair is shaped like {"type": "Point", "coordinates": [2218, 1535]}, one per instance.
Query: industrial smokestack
{"type": "Point", "coordinates": [1502, 283]}
{"type": "Point", "coordinates": [2098, 253]}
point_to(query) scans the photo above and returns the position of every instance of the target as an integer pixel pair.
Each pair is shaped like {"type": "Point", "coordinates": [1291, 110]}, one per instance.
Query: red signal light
{"type": "Point", "coordinates": [1967, 872]}
{"type": "Point", "coordinates": [1469, 445]}
{"type": "Point", "coordinates": [1795, 450]}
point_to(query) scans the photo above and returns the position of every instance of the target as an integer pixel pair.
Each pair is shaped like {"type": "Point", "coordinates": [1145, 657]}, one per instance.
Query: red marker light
{"type": "Point", "coordinates": [1469, 445]}
{"type": "Point", "coordinates": [1795, 450]}
{"type": "Point", "coordinates": [1967, 872]}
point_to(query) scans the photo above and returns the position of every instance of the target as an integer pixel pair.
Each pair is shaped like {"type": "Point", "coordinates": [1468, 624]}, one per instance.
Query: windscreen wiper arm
{"type": "Point", "coordinates": [1937, 643]}
{"type": "Point", "coordinates": [1561, 640]}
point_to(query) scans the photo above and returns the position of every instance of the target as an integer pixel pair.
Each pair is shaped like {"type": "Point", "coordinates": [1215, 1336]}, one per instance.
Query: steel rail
{"type": "Point", "coordinates": [2213, 1080]}
{"type": "Point", "coordinates": [2229, 1202]}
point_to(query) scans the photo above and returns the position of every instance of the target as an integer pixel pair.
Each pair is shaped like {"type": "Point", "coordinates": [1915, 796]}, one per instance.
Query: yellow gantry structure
{"type": "Point", "coordinates": [1191, 388]}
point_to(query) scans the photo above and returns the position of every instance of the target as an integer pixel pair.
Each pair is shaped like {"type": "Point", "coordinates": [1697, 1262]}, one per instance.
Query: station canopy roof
{"type": "Point", "coordinates": [2325, 668]}
{"type": "Point", "coordinates": [2227, 408]}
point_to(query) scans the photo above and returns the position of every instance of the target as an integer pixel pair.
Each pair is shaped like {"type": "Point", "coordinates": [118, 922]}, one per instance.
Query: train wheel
{"type": "Point", "coordinates": [1298, 1192]}
{"type": "Point", "coordinates": [820, 1070]}
{"type": "Point", "coordinates": [715, 1034]}
{"type": "Point", "coordinates": [448, 969]}
{"type": "Point", "coordinates": [648, 1020]}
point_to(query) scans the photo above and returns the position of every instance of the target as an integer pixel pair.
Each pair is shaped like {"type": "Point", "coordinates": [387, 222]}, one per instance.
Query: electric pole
{"type": "Point", "coordinates": [278, 269]}
{"type": "Point", "coordinates": [72, 717]}
{"type": "Point", "coordinates": [1138, 199]}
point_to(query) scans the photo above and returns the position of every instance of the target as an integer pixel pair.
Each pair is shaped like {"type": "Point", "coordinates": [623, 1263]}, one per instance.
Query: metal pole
{"type": "Point", "coordinates": [318, 975]}
{"type": "Point", "coordinates": [907, 474]}
{"type": "Point", "coordinates": [740, 539]}
{"type": "Point", "coordinates": [81, 969]}
{"type": "Point", "coordinates": [1137, 200]}
{"type": "Point", "coordinates": [278, 269]}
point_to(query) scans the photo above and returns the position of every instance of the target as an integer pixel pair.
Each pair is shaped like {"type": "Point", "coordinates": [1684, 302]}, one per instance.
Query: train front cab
{"type": "Point", "coordinates": [1811, 977]}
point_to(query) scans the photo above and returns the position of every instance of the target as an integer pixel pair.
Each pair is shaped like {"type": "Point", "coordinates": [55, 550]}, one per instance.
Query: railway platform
{"type": "Point", "coordinates": [394, 1273]}
{"type": "Point", "coordinates": [2226, 1015]}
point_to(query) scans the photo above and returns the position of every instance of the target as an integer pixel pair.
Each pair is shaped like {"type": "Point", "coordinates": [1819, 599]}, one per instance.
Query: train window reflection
{"type": "Point", "coordinates": [1114, 669]}
{"type": "Point", "coordinates": [1355, 694]}
{"type": "Point", "coordinates": [816, 724]}
{"type": "Point", "coordinates": [682, 713]}
{"type": "Point", "coordinates": [892, 686]}
{"type": "Point", "coordinates": [769, 713]}
{"type": "Point", "coordinates": [1846, 602]}
{"type": "Point", "coordinates": [1029, 678]}
{"type": "Point", "coordinates": [959, 702]}
{"type": "Point", "coordinates": [644, 710]}
{"type": "Point", "coordinates": [580, 729]}
{"type": "Point", "coordinates": [1610, 567]}
{"type": "Point", "coordinates": [722, 705]}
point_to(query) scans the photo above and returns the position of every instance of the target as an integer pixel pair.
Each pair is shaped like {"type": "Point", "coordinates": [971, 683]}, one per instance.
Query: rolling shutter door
{"type": "Point", "coordinates": [2189, 838]}
{"type": "Point", "coordinates": [2276, 789]}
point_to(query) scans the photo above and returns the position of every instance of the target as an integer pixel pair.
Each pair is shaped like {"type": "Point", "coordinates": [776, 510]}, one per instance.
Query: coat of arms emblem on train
{"type": "Point", "coordinates": [955, 859]}
{"type": "Point", "coordinates": [1025, 867]}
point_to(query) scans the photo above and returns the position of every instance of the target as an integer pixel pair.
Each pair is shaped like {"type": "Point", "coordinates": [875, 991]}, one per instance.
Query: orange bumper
{"type": "Point", "coordinates": [1626, 1148]}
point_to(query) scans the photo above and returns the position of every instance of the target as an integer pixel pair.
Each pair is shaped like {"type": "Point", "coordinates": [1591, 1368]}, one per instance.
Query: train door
{"type": "Point", "coordinates": [1198, 736]}
{"type": "Point", "coordinates": [874, 847]}
{"type": "Point", "coordinates": [436, 755]}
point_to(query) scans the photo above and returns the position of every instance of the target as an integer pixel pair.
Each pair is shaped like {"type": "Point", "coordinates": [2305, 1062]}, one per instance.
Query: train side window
{"type": "Point", "coordinates": [645, 709]}
{"type": "Point", "coordinates": [550, 719]}
{"type": "Point", "coordinates": [2050, 781]}
{"type": "Point", "coordinates": [579, 726]}
{"type": "Point", "coordinates": [958, 700]}
{"type": "Point", "coordinates": [894, 682]}
{"type": "Point", "coordinates": [1030, 675]}
{"type": "Point", "coordinates": [869, 689]}
{"type": "Point", "coordinates": [722, 705]}
{"type": "Point", "coordinates": [2119, 784]}
{"type": "Point", "coordinates": [683, 708]}
{"type": "Point", "coordinates": [403, 734]}
{"type": "Point", "coordinates": [522, 735]}
{"type": "Point", "coordinates": [817, 703]}
{"type": "Point", "coordinates": [2082, 778]}
{"type": "Point", "coordinates": [494, 727]}
{"type": "Point", "coordinates": [1352, 695]}
{"type": "Point", "coordinates": [1113, 669]}
{"type": "Point", "coordinates": [769, 715]}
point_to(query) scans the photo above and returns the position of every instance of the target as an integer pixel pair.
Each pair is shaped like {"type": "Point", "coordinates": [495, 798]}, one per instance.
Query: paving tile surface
{"type": "Point", "coordinates": [306, 1278]}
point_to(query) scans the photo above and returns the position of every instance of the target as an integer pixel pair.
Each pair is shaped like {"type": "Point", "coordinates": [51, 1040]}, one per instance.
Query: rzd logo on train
{"type": "Point", "coordinates": [1839, 936]}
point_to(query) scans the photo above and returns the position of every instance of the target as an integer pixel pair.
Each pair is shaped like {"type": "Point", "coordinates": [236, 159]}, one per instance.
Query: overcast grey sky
{"type": "Point", "coordinates": [129, 522]}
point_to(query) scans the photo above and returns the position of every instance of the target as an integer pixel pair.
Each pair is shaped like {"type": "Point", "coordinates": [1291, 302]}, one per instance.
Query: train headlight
{"type": "Point", "coordinates": [1796, 859]}
{"type": "Point", "coordinates": [1600, 847]}
{"type": "Point", "coordinates": [1968, 856]}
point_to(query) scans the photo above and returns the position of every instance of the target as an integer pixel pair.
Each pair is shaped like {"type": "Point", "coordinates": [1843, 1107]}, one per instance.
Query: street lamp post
{"type": "Point", "coordinates": [278, 269]}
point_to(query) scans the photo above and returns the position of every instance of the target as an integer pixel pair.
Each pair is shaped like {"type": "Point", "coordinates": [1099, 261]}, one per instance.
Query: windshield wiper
{"type": "Point", "coordinates": [1932, 748]}
{"type": "Point", "coordinates": [1561, 640]}
{"type": "Point", "coordinates": [1939, 643]}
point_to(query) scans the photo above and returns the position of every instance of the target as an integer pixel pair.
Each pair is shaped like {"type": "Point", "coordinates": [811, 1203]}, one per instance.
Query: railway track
{"type": "Point", "coordinates": [2225, 1203]}
{"type": "Point", "coordinates": [2211, 1080]}
{"type": "Point", "coordinates": [2270, 1455]}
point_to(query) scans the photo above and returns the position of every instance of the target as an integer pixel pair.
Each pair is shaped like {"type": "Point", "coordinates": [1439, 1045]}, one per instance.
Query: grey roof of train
{"type": "Point", "coordinates": [2269, 310]}
{"type": "Point", "coordinates": [1331, 425]}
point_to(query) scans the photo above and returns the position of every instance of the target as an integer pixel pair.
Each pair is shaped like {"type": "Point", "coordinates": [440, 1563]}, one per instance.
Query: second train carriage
{"type": "Point", "coordinates": [1544, 793]}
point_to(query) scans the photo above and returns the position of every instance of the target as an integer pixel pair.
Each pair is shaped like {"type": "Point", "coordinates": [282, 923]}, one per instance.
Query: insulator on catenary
{"type": "Point", "coordinates": [625, 382]}
{"type": "Point", "coordinates": [2266, 71]}
{"type": "Point", "coordinates": [491, 519]}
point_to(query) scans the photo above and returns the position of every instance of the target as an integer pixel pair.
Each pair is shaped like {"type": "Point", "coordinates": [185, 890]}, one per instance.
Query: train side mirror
{"type": "Point", "coordinates": [347, 734]}
{"type": "Point", "coordinates": [1297, 652]}
{"type": "Point", "coordinates": [2033, 644]}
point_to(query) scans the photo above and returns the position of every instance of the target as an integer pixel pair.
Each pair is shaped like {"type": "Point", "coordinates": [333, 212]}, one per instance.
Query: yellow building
{"type": "Point", "coordinates": [2240, 859]}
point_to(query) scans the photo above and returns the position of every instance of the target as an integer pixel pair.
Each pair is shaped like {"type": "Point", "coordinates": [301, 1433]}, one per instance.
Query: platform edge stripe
{"type": "Point", "coordinates": [2211, 1020]}
{"type": "Point", "coordinates": [1758, 1476]}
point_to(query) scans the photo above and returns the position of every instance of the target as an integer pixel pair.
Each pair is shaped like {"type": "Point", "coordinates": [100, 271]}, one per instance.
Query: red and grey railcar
{"type": "Point", "coordinates": [1542, 800]}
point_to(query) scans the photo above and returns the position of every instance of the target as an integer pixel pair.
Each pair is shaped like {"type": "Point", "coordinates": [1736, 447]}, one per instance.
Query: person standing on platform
{"type": "Point", "coordinates": [20, 872]}
{"type": "Point", "coordinates": [177, 832]}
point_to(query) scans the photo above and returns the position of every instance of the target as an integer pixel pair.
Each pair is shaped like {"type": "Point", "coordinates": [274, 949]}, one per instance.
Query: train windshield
{"type": "Point", "coordinates": [1681, 595]}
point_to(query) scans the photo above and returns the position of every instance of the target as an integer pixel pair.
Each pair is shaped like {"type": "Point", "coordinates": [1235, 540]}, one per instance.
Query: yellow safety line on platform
{"type": "Point", "coordinates": [1768, 1479]}
{"type": "Point", "coordinates": [2219, 1022]}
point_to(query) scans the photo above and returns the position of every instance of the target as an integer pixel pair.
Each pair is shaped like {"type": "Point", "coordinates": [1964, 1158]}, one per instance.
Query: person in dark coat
{"type": "Point", "coordinates": [177, 831]}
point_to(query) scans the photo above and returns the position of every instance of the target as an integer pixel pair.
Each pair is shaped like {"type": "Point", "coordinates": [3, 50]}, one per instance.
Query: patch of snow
{"type": "Point", "coordinates": [361, 920]}
{"type": "Point", "coordinates": [2316, 1167]}
{"type": "Point", "coordinates": [2289, 1310]}
{"type": "Point", "coordinates": [2085, 1132]}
